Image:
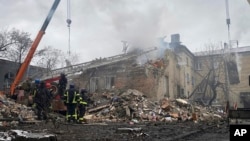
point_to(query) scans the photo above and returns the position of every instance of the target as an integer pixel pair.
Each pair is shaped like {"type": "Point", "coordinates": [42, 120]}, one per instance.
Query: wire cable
{"type": "Point", "coordinates": [68, 22]}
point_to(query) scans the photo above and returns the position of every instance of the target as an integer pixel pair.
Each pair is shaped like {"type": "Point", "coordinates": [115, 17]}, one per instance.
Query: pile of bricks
{"type": "Point", "coordinates": [134, 107]}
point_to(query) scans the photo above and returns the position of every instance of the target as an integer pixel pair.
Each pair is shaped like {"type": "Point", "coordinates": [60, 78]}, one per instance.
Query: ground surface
{"type": "Point", "coordinates": [150, 131]}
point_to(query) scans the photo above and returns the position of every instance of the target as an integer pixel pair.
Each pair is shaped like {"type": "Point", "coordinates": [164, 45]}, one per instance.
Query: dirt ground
{"type": "Point", "coordinates": [148, 131]}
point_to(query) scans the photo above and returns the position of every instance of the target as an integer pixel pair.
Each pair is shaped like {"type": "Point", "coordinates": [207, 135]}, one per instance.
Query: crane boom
{"type": "Point", "coordinates": [33, 48]}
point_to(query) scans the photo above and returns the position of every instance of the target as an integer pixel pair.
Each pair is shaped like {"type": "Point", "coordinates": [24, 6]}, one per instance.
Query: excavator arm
{"type": "Point", "coordinates": [33, 48]}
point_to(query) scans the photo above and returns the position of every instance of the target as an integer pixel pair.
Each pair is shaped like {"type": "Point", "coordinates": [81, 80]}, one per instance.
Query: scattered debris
{"type": "Point", "coordinates": [17, 135]}
{"type": "Point", "coordinates": [11, 113]}
{"type": "Point", "coordinates": [132, 106]}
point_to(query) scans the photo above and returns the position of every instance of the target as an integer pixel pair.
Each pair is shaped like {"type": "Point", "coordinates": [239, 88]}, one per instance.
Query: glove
{"type": "Point", "coordinates": [34, 106]}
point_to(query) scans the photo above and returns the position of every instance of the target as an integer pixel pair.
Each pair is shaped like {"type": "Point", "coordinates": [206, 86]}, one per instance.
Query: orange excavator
{"type": "Point", "coordinates": [33, 48]}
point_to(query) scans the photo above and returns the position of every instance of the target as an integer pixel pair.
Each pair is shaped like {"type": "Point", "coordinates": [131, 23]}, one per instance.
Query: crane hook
{"type": "Point", "coordinates": [68, 22]}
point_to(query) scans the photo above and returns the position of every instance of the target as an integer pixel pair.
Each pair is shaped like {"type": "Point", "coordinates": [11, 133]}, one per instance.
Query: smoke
{"type": "Point", "coordinates": [240, 22]}
{"type": "Point", "coordinates": [138, 22]}
{"type": "Point", "coordinates": [238, 63]}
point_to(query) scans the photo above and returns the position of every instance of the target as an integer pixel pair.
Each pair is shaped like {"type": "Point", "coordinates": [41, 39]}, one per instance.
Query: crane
{"type": "Point", "coordinates": [33, 48]}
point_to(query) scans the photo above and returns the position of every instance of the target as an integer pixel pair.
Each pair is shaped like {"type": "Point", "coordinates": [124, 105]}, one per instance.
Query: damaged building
{"type": "Point", "coordinates": [169, 76]}
{"type": "Point", "coordinates": [179, 73]}
{"type": "Point", "coordinates": [232, 85]}
{"type": "Point", "coordinates": [176, 73]}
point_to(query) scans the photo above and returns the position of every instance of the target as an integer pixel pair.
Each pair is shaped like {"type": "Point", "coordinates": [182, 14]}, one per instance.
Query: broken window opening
{"type": "Point", "coordinates": [93, 84]}
{"type": "Point", "coordinates": [188, 80]}
{"type": "Point", "coordinates": [193, 81]}
{"type": "Point", "coordinates": [198, 66]}
{"type": "Point", "coordinates": [109, 82]}
{"type": "Point", "coordinates": [166, 86]}
{"type": "Point", "coordinates": [8, 79]}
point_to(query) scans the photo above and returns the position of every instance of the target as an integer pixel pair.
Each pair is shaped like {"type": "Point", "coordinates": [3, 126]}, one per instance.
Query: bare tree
{"type": "Point", "coordinates": [212, 74]}
{"type": "Point", "coordinates": [17, 44]}
{"type": "Point", "coordinates": [5, 41]}
{"type": "Point", "coordinates": [49, 58]}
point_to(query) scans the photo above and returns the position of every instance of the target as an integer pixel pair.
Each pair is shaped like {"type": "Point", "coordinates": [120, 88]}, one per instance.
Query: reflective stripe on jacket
{"type": "Point", "coordinates": [82, 102]}
{"type": "Point", "coordinates": [69, 99]}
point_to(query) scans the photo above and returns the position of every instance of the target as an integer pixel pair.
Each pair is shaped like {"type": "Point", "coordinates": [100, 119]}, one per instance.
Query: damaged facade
{"type": "Point", "coordinates": [179, 73]}
{"type": "Point", "coordinates": [170, 76]}
{"type": "Point", "coordinates": [212, 66]}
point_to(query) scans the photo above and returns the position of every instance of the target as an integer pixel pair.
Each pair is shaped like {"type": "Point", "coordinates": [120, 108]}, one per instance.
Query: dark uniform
{"type": "Point", "coordinates": [71, 97]}
{"type": "Point", "coordinates": [42, 101]}
{"type": "Point", "coordinates": [48, 86]}
{"type": "Point", "coordinates": [82, 105]}
{"type": "Point", "coordinates": [34, 89]}
{"type": "Point", "coordinates": [62, 84]}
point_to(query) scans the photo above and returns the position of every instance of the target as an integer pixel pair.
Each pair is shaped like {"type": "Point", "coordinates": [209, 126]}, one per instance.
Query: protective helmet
{"type": "Point", "coordinates": [48, 85]}
{"type": "Point", "coordinates": [62, 75]}
{"type": "Point", "coordinates": [37, 81]}
{"type": "Point", "coordinates": [71, 86]}
{"type": "Point", "coordinates": [83, 90]}
{"type": "Point", "coordinates": [42, 84]}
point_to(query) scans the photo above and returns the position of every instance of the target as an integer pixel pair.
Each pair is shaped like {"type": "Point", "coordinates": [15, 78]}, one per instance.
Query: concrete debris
{"type": "Point", "coordinates": [19, 135]}
{"type": "Point", "coordinates": [182, 101]}
{"type": "Point", "coordinates": [128, 130]}
{"type": "Point", "coordinates": [130, 106]}
{"type": "Point", "coordinates": [133, 107]}
{"type": "Point", "coordinates": [11, 113]}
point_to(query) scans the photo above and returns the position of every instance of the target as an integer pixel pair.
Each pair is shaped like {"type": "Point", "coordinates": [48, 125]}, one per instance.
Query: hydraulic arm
{"type": "Point", "coordinates": [33, 48]}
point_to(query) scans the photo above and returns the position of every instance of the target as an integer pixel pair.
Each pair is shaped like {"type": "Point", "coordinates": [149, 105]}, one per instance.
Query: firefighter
{"type": "Point", "coordinates": [48, 87]}
{"type": "Point", "coordinates": [82, 105]}
{"type": "Point", "coordinates": [27, 85]}
{"type": "Point", "coordinates": [34, 90]}
{"type": "Point", "coordinates": [71, 97]}
{"type": "Point", "coordinates": [62, 84]}
{"type": "Point", "coordinates": [42, 101]}
{"type": "Point", "coordinates": [35, 87]}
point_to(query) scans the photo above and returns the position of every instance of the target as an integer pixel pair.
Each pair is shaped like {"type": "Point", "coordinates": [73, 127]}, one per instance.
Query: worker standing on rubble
{"type": "Point", "coordinates": [42, 101]}
{"type": "Point", "coordinates": [34, 89]}
{"type": "Point", "coordinates": [49, 88]}
{"type": "Point", "coordinates": [62, 84]}
{"type": "Point", "coordinates": [82, 105]}
{"type": "Point", "coordinates": [71, 97]}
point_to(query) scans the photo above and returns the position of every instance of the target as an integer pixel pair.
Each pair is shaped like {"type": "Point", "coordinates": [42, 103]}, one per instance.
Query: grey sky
{"type": "Point", "coordinates": [98, 26]}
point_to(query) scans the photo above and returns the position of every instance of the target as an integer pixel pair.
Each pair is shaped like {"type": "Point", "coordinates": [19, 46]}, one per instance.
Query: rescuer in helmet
{"type": "Point", "coordinates": [62, 84]}
{"type": "Point", "coordinates": [42, 101]}
{"type": "Point", "coordinates": [82, 104]}
{"type": "Point", "coordinates": [34, 89]}
{"type": "Point", "coordinates": [71, 98]}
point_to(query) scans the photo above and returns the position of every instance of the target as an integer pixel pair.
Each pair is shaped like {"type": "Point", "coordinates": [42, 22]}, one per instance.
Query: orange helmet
{"type": "Point", "coordinates": [48, 85]}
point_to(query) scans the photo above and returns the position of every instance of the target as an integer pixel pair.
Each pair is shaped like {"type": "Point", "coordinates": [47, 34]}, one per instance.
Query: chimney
{"type": "Point", "coordinates": [175, 40]}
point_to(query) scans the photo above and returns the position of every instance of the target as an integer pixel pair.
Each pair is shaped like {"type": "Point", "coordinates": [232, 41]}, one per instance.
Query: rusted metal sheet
{"type": "Point", "coordinates": [58, 105]}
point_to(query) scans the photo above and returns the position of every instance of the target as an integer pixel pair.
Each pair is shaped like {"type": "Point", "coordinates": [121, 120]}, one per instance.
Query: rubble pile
{"type": "Point", "coordinates": [20, 135]}
{"type": "Point", "coordinates": [134, 107]}
{"type": "Point", "coordinates": [11, 113]}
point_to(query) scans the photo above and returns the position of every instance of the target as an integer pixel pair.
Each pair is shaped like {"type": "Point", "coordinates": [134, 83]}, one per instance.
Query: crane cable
{"type": "Point", "coordinates": [68, 22]}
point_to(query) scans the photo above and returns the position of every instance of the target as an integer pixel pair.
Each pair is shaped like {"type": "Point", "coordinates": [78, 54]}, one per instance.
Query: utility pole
{"type": "Point", "coordinates": [227, 49]}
